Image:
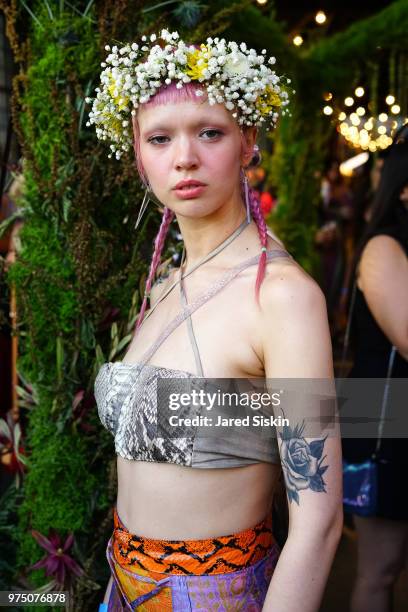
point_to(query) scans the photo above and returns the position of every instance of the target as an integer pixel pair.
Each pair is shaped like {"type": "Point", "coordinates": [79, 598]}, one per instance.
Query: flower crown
{"type": "Point", "coordinates": [231, 74]}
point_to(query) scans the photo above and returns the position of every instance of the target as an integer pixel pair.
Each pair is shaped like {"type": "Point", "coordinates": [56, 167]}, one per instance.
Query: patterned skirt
{"type": "Point", "coordinates": [230, 572]}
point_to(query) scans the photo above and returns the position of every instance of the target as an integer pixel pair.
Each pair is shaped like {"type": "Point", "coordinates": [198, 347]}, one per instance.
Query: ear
{"type": "Point", "coordinates": [249, 135]}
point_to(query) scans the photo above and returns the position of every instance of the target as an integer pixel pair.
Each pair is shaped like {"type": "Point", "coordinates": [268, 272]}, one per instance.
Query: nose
{"type": "Point", "coordinates": [186, 156]}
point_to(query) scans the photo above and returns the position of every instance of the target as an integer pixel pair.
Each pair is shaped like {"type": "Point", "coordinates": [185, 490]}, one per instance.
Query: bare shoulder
{"type": "Point", "coordinates": [381, 254]}
{"type": "Point", "coordinates": [293, 324]}
{"type": "Point", "coordinates": [288, 285]}
{"type": "Point", "coordinates": [380, 247]}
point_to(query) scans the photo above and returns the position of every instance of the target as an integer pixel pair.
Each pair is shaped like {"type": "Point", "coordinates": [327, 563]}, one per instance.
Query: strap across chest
{"type": "Point", "coordinates": [189, 309]}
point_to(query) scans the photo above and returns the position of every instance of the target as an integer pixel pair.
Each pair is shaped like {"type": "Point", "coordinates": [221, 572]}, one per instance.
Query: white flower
{"type": "Point", "coordinates": [237, 64]}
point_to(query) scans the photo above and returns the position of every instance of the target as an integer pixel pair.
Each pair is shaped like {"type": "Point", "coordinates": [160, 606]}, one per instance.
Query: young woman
{"type": "Point", "coordinates": [379, 321]}
{"type": "Point", "coordinates": [192, 525]}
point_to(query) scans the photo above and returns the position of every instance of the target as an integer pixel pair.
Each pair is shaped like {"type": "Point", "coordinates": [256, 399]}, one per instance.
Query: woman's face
{"type": "Point", "coordinates": [192, 153]}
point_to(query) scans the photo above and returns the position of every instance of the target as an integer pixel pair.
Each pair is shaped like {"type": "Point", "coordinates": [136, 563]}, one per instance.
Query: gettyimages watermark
{"type": "Point", "coordinates": [263, 407]}
{"type": "Point", "coordinates": [212, 402]}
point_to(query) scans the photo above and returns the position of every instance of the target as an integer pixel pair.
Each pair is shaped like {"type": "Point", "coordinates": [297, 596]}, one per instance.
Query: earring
{"type": "Point", "coordinates": [246, 195]}
{"type": "Point", "coordinates": [145, 202]}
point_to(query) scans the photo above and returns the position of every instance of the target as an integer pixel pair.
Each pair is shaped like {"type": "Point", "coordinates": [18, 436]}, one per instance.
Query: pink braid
{"type": "Point", "coordinates": [158, 247]}
{"type": "Point", "coordinates": [259, 219]}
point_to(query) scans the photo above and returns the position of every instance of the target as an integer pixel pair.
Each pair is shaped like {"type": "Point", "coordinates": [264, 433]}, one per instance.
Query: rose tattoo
{"type": "Point", "coordinates": [301, 462]}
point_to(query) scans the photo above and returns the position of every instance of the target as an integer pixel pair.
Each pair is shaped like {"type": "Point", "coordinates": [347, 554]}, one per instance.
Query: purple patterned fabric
{"type": "Point", "coordinates": [244, 590]}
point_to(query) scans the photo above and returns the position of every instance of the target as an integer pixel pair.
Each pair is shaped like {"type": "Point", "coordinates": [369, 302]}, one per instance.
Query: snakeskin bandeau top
{"type": "Point", "coordinates": [126, 397]}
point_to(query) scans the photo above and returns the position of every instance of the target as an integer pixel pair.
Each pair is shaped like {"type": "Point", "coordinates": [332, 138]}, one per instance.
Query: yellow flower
{"type": "Point", "coordinates": [268, 101]}
{"type": "Point", "coordinates": [111, 89]}
{"type": "Point", "coordinates": [197, 62]}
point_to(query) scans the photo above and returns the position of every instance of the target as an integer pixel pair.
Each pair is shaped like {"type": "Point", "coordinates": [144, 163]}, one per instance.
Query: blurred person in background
{"type": "Point", "coordinates": [334, 236]}
{"type": "Point", "coordinates": [379, 321]}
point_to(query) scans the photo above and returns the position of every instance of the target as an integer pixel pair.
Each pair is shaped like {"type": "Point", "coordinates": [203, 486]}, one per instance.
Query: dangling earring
{"type": "Point", "coordinates": [145, 202]}
{"type": "Point", "coordinates": [246, 195]}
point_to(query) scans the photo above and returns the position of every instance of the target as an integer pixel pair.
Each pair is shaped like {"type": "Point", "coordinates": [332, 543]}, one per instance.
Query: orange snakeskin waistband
{"type": "Point", "coordinates": [207, 556]}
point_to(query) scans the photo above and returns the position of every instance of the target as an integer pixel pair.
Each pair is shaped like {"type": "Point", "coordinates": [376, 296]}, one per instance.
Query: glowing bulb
{"type": "Point", "coordinates": [395, 109]}
{"type": "Point", "coordinates": [359, 92]}
{"type": "Point", "coordinates": [355, 119]}
{"type": "Point", "coordinates": [372, 146]}
{"type": "Point", "coordinates": [383, 117]}
{"type": "Point", "coordinates": [390, 99]}
{"type": "Point", "coordinates": [320, 17]}
{"type": "Point", "coordinates": [262, 1]}
{"type": "Point", "coordinates": [298, 40]}
{"type": "Point", "coordinates": [360, 111]}
{"type": "Point", "coordinates": [327, 96]}
{"type": "Point", "coordinates": [364, 137]}
{"type": "Point", "coordinates": [342, 116]}
{"type": "Point", "coordinates": [382, 129]}
{"type": "Point", "coordinates": [328, 110]}
{"type": "Point", "coordinates": [349, 101]}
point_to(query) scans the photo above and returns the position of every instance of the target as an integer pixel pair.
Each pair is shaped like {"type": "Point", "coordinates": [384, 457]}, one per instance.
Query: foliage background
{"type": "Point", "coordinates": [81, 268]}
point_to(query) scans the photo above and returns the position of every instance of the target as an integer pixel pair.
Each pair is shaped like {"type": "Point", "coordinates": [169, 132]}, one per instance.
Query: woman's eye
{"type": "Point", "coordinates": [157, 139]}
{"type": "Point", "coordinates": [211, 134]}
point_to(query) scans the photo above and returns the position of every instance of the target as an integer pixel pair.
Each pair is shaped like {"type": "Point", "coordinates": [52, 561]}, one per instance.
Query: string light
{"type": "Point", "coordinates": [395, 109]}
{"type": "Point", "coordinates": [359, 92]}
{"type": "Point", "coordinates": [347, 167]}
{"type": "Point", "coordinates": [361, 111]}
{"type": "Point", "coordinates": [349, 101]}
{"type": "Point", "coordinates": [390, 99]}
{"type": "Point", "coordinates": [328, 110]}
{"type": "Point", "coordinates": [262, 1]}
{"type": "Point", "coordinates": [373, 135]}
{"type": "Point", "coordinates": [327, 96]}
{"type": "Point", "coordinates": [320, 17]}
{"type": "Point", "coordinates": [298, 40]}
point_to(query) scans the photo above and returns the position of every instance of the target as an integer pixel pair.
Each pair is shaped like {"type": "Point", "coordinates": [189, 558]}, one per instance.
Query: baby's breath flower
{"type": "Point", "coordinates": [231, 74]}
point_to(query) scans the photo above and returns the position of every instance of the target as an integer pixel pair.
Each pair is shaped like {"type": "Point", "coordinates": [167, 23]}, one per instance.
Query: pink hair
{"type": "Point", "coordinates": [167, 94]}
{"type": "Point", "coordinates": [255, 207]}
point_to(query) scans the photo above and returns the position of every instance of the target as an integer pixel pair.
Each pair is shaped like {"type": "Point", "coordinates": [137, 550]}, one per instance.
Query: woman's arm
{"type": "Point", "coordinates": [297, 346]}
{"type": "Point", "coordinates": [384, 280]}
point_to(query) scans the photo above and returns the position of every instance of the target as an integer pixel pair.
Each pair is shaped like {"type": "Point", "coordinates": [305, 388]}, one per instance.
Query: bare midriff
{"type": "Point", "coordinates": [173, 502]}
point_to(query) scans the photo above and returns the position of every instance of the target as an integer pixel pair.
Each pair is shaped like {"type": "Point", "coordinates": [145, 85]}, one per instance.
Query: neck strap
{"type": "Point", "coordinates": [207, 257]}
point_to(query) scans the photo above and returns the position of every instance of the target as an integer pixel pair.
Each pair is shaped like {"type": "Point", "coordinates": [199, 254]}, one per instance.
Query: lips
{"type": "Point", "coordinates": [189, 184]}
{"type": "Point", "coordinates": [189, 189]}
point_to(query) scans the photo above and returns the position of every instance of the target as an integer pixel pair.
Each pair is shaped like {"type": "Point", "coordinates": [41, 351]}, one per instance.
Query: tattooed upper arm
{"type": "Point", "coordinates": [303, 462]}
{"type": "Point", "coordinates": [298, 362]}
